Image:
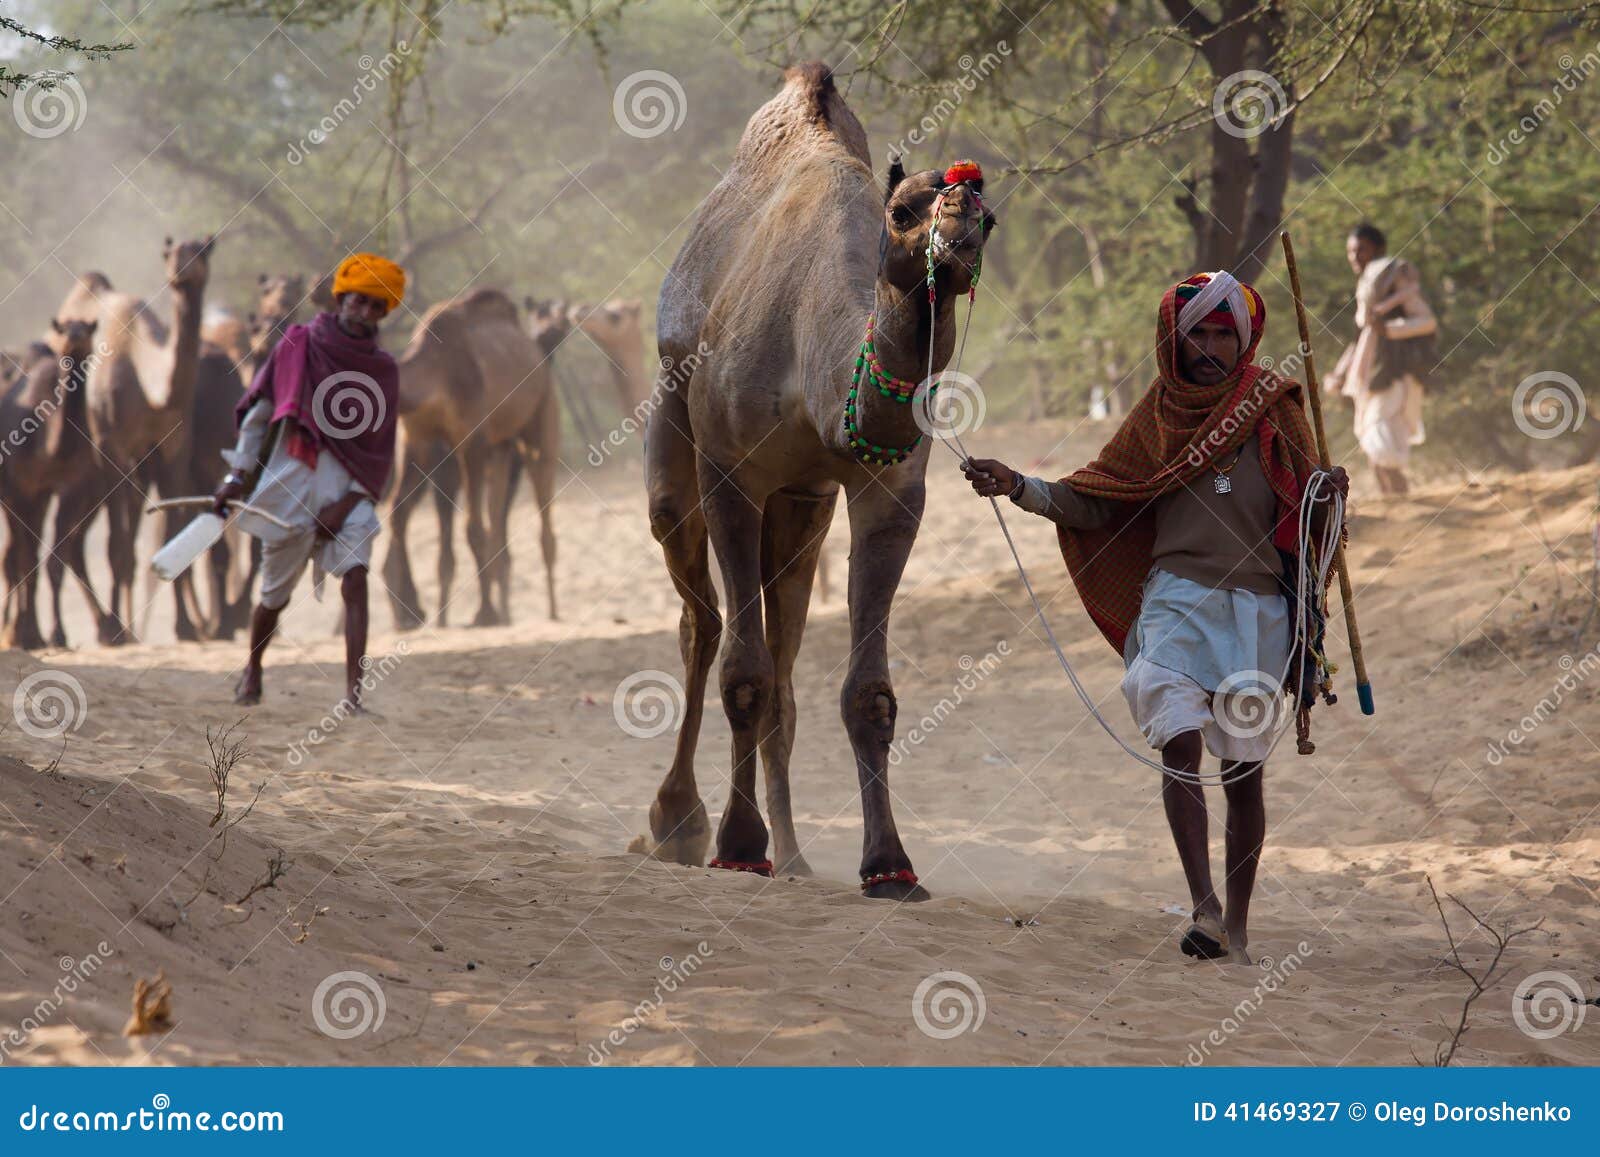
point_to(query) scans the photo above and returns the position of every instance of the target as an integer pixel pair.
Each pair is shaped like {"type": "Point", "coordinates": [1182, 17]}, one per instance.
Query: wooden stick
{"type": "Point", "coordinates": [1314, 396]}
{"type": "Point", "coordinates": [206, 500]}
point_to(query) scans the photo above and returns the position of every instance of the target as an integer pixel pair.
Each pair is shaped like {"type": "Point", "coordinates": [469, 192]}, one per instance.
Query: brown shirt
{"type": "Point", "coordinates": [1223, 541]}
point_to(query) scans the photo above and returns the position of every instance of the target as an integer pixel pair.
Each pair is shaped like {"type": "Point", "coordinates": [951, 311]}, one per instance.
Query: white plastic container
{"type": "Point", "coordinates": [187, 545]}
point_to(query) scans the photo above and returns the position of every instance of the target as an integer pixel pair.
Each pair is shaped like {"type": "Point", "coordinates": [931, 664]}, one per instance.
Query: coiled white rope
{"type": "Point", "coordinates": [1319, 489]}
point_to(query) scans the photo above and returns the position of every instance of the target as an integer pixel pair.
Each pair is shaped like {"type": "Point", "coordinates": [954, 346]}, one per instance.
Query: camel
{"type": "Point", "coordinates": [141, 396]}
{"type": "Point", "coordinates": [761, 319]}
{"type": "Point", "coordinates": [471, 382]}
{"type": "Point", "coordinates": [44, 422]}
{"type": "Point", "coordinates": [614, 327]}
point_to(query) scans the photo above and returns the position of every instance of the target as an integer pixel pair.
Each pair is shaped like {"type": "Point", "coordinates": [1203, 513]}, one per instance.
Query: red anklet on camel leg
{"type": "Point", "coordinates": [759, 867]}
{"type": "Point", "coordinates": [903, 876]}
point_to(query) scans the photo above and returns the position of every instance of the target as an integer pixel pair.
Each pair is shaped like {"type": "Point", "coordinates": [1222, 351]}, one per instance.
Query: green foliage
{"type": "Point", "coordinates": [489, 152]}
{"type": "Point", "coordinates": [53, 45]}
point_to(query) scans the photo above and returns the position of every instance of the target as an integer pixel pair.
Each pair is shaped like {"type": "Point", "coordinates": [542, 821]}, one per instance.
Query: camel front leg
{"type": "Point", "coordinates": [24, 524]}
{"type": "Point", "coordinates": [733, 519]}
{"type": "Point", "coordinates": [74, 512]}
{"type": "Point", "coordinates": [403, 601]}
{"type": "Point", "coordinates": [446, 479]}
{"type": "Point", "coordinates": [883, 527]}
{"type": "Point", "coordinates": [475, 475]}
{"type": "Point", "coordinates": [497, 510]}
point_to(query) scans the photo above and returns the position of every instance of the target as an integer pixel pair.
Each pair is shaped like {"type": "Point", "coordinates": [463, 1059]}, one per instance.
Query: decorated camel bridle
{"type": "Point", "coordinates": [903, 389]}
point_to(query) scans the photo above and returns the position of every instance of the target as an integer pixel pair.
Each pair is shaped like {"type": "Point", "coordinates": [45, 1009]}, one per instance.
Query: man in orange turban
{"type": "Point", "coordinates": [316, 448]}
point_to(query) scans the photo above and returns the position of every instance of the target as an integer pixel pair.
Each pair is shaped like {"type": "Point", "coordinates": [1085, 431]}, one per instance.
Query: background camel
{"type": "Point", "coordinates": [44, 421]}
{"type": "Point", "coordinates": [141, 396]}
{"type": "Point", "coordinates": [615, 328]}
{"type": "Point", "coordinates": [751, 450]}
{"type": "Point", "coordinates": [471, 382]}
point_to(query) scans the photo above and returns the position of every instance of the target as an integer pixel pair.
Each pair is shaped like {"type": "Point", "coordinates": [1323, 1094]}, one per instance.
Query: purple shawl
{"type": "Point", "coordinates": [342, 392]}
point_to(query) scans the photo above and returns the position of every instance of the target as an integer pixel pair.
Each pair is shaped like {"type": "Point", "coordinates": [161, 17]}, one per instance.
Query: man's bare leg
{"type": "Point", "coordinates": [1185, 804]}
{"type": "Point", "coordinates": [263, 624]}
{"type": "Point", "coordinates": [354, 588]}
{"type": "Point", "coordinates": [1247, 832]}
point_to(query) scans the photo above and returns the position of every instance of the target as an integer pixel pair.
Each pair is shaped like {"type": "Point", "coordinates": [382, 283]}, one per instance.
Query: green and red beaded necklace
{"type": "Point", "coordinates": [899, 389]}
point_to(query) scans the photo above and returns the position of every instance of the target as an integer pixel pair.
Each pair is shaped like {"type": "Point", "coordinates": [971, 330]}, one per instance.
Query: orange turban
{"type": "Point", "coordinates": [375, 276]}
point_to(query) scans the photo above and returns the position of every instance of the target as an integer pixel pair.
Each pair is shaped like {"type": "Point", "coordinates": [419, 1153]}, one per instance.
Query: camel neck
{"type": "Point", "coordinates": [186, 308]}
{"type": "Point", "coordinates": [901, 324]}
{"type": "Point", "coordinates": [69, 425]}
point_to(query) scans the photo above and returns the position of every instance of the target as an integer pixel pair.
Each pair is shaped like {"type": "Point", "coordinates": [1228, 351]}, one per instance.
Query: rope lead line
{"type": "Point", "coordinates": [1318, 489]}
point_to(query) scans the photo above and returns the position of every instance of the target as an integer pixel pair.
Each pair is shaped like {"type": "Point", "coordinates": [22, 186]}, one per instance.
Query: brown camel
{"type": "Point", "coordinates": [47, 450]}
{"type": "Point", "coordinates": [616, 330]}
{"type": "Point", "coordinates": [764, 313]}
{"type": "Point", "coordinates": [141, 397]}
{"type": "Point", "coordinates": [471, 382]}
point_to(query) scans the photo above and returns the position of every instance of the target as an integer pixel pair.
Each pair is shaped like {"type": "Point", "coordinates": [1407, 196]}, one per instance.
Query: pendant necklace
{"type": "Point", "coordinates": [1220, 482]}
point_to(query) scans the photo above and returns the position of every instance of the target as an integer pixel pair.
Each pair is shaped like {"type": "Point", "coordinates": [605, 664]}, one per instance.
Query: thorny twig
{"type": "Point", "coordinates": [303, 926]}
{"type": "Point", "coordinates": [1481, 981]}
{"type": "Point", "coordinates": [277, 865]}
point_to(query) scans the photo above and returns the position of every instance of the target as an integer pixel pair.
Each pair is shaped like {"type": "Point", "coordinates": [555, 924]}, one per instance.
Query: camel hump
{"type": "Point", "coordinates": [488, 304]}
{"type": "Point", "coordinates": [808, 106]}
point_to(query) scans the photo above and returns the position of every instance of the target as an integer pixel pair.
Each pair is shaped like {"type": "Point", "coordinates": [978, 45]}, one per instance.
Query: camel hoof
{"type": "Point", "coordinates": [897, 890]}
{"type": "Point", "coordinates": [407, 617]}
{"type": "Point", "coordinates": [486, 618]}
{"type": "Point", "coordinates": [58, 637]}
{"type": "Point", "coordinates": [185, 631]}
{"type": "Point", "coordinates": [685, 842]}
{"type": "Point", "coordinates": [27, 639]}
{"type": "Point", "coordinates": [795, 865]}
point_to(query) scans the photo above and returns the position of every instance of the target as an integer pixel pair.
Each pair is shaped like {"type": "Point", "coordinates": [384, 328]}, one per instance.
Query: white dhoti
{"type": "Point", "coordinates": [295, 493]}
{"type": "Point", "coordinates": [1388, 423]}
{"type": "Point", "coordinates": [1208, 660]}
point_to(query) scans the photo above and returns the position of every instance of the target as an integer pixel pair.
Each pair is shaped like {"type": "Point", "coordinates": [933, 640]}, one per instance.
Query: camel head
{"type": "Point", "coordinates": [278, 301]}
{"type": "Point", "coordinates": [615, 321]}
{"type": "Point", "coordinates": [188, 263]}
{"type": "Point", "coordinates": [71, 339]}
{"type": "Point", "coordinates": [549, 322]}
{"type": "Point", "coordinates": [958, 234]}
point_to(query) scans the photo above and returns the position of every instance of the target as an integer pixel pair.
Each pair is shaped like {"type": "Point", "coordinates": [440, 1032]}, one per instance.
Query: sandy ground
{"type": "Point", "coordinates": [464, 852]}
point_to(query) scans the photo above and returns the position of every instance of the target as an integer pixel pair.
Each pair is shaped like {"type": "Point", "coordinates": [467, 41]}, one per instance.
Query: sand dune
{"type": "Point", "coordinates": [468, 844]}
